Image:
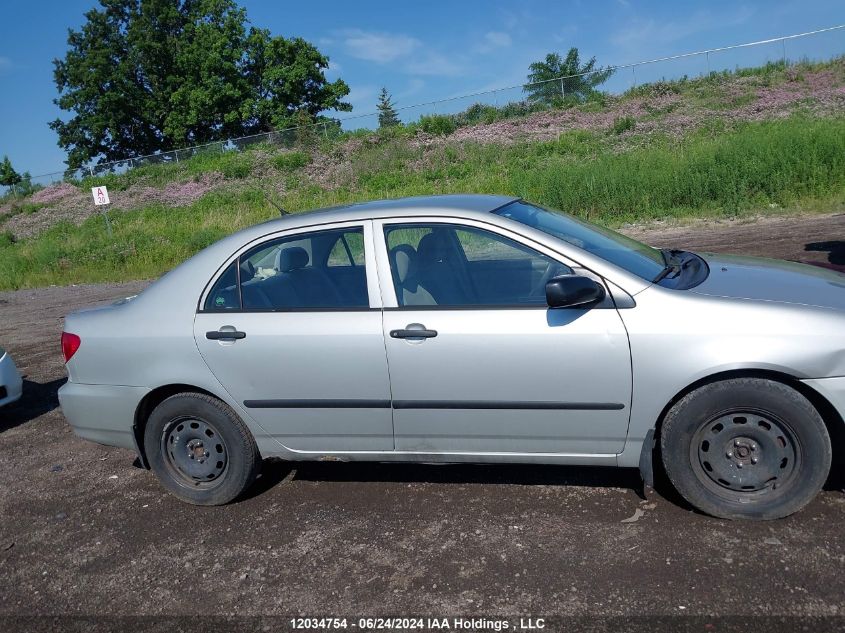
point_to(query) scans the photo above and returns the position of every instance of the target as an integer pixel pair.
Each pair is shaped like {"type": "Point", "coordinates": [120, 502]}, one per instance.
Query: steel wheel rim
{"type": "Point", "coordinates": [743, 454]}
{"type": "Point", "coordinates": [194, 452]}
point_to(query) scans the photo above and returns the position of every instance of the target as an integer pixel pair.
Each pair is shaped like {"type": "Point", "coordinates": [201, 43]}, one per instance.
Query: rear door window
{"type": "Point", "coordinates": [307, 271]}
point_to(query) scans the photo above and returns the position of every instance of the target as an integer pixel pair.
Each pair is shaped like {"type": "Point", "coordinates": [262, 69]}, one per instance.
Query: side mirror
{"type": "Point", "coordinates": [573, 291]}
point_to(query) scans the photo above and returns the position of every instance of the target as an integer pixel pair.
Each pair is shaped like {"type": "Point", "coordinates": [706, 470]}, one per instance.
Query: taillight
{"type": "Point", "coordinates": [70, 343]}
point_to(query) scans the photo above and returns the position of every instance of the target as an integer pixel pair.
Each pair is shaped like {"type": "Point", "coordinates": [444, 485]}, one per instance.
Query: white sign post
{"type": "Point", "coordinates": [101, 197]}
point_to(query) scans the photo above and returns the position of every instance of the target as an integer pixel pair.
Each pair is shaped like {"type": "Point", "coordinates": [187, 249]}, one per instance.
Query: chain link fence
{"type": "Point", "coordinates": [810, 46]}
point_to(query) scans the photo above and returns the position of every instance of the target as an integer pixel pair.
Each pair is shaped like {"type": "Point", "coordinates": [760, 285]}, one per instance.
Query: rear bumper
{"type": "Point", "coordinates": [104, 414]}
{"type": "Point", "coordinates": [11, 383]}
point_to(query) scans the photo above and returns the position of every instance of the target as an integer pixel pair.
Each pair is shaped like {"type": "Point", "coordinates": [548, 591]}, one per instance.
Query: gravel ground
{"type": "Point", "coordinates": [83, 531]}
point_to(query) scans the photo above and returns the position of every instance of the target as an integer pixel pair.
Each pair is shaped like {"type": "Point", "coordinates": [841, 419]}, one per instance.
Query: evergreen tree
{"type": "Point", "coordinates": [387, 116]}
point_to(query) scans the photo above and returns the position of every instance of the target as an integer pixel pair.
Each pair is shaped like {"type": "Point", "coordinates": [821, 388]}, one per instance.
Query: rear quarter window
{"type": "Point", "coordinates": [224, 295]}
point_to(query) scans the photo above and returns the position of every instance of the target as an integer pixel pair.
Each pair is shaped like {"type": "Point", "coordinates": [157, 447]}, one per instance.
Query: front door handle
{"type": "Point", "coordinates": [414, 330]}
{"type": "Point", "coordinates": [224, 335]}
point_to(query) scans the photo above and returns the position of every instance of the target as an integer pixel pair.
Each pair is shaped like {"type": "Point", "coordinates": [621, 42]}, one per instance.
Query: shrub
{"type": "Point", "coordinates": [291, 161]}
{"type": "Point", "coordinates": [623, 124]}
{"type": "Point", "coordinates": [438, 124]}
{"type": "Point", "coordinates": [236, 165]}
{"type": "Point", "coordinates": [7, 238]}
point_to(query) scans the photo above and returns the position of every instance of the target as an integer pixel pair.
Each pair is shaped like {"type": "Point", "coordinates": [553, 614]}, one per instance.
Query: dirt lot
{"type": "Point", "coordinates": [83, 531]}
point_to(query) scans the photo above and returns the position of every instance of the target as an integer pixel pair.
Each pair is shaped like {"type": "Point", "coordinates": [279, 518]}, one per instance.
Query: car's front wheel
{"type": "Point", "coordinates": [200, 450]}
{"type": "Point", "coordinates": [746, 448]}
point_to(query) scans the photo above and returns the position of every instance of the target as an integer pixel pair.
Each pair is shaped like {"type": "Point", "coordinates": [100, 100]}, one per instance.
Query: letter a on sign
{"type": "Point", "coordinates": [101, 195]}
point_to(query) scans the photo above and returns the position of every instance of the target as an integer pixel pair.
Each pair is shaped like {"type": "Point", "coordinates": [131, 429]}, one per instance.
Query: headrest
{"type": "Point", "coordinates": [403, 259]}
{"type": "Point", "coordinates": [435, 247]}
{"type": "Point", "coordinates": [292, 258]}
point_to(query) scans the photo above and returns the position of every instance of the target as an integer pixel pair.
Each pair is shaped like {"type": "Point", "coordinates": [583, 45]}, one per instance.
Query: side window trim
{"type": "Point", "coordinates": [370, 269]}
{"type": "Point", "coordinates": [388, 290]}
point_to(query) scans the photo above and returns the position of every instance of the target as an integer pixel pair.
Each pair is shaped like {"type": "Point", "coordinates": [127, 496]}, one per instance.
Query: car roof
{"type": "Point", "coordinates": [473, 203]}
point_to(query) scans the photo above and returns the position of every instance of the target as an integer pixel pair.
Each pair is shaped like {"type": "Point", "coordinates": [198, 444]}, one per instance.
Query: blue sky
{"type": "Point", "coordinates": [429, 50]}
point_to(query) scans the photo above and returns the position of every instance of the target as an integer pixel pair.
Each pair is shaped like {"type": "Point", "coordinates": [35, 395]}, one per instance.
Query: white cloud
{"type": "Point", "coordinates": [362, 97]}
{"type": "Point", "coordinates": [378, 47]}
{"type": "Point", "coordinates": [435, 64]}
{"type": "Point", "coordinates": [415, 86]}
{"type": "Point", "coordinates": [653, 34]}
{"type": "Point", "coordinates": [497, 39]}
{"type": "Point", "coordinates": [493, 41]}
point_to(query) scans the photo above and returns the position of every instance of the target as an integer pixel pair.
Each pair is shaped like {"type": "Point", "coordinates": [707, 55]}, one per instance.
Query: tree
{"type": "Point", "coordinates": [143, 76]}
{"type": "Point", "coordinates": [8, 176]}
{"type": "Point", "coordinates": [387, 116]}
{"type": "Point", "coordinates": [578, 81]}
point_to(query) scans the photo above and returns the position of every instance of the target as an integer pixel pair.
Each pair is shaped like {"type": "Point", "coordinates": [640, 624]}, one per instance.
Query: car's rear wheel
{"type": "Point", "coordinates": [746, 448]}
{"type": "Point", "coordinates": [200, 450]}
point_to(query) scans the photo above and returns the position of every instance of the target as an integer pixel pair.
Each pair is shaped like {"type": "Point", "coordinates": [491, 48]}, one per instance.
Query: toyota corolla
{"type": "Point", "coordinates": [469, 329]}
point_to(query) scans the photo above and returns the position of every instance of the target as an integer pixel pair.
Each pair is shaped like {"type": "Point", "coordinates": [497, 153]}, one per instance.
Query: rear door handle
{"type": "Point", "coordinates": [413, 332]}
{"type": "Point", "coordinates": [223, 335]}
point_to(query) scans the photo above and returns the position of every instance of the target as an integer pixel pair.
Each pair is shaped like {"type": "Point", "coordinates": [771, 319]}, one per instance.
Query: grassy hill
{"type": "Point", "coordinates": [760, 140]}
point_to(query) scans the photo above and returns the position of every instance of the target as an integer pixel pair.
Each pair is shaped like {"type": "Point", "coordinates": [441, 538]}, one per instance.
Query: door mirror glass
{"type": "Point", "coordinates": [573, 291]}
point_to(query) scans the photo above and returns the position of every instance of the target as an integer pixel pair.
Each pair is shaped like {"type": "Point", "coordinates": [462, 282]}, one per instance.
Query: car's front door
{"type": "Point", "coordinates": [479, 363]}
{"type": "Point", "coordinates": [290, 331]}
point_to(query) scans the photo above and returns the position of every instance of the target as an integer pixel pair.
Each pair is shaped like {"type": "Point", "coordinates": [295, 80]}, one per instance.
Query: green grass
{"type": "Point", "coordinates": [712, 171]}
{"type": "Point", "coordinates": [758, 165]}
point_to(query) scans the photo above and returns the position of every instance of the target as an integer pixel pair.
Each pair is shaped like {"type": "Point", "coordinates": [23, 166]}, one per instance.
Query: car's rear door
{"type": "Point", "coordinates": [479, 363]}
{"type": "Point", "coordinates": [292, 329]}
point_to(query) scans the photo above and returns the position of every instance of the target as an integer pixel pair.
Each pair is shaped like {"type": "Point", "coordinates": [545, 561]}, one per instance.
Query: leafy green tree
{"type": "Point", "coordinates": [387, 116]}
{"type": "Point", "coordinates": [8, 176]}
{"type": "Point", "coordinates": [142, 76]}
{"type": "Point", "coordinates": [578, 81]}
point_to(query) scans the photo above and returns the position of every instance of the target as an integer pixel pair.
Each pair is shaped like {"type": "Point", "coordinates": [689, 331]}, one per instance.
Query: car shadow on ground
{"type": "Point", "coordinates": [835, 250]}
{"type": "Point", "coordinates": [275, 471]}
{"type": "Point", "coordinates": [37, 399]}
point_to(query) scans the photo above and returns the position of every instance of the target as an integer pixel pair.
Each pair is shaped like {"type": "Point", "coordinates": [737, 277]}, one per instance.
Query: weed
{"type": "Point", "coordinates": [623, 124]}
{"type": "Point", "coordinates": [291, 161]}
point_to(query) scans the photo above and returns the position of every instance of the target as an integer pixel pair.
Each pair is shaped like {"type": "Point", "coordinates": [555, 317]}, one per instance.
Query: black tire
{"type": "Point", "coordinates": [200, 450]}
{"type": "Point", "coordinates": [746, 448]}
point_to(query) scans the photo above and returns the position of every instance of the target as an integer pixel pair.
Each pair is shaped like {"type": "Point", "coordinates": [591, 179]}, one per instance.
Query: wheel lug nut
{"type": "Point", "coordinates": [739, 465]}
{"type": "Point", "coordinates": [753, 447]}
{"type": "Point", "coordinates": [730, 454]}
{"type": "Point", "coordinates": [753, 460]}
{"type": "Point", "coordinates": [736, 443]}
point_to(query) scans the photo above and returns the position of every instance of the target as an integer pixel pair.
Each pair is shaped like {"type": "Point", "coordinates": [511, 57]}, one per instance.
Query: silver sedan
{"type": "Point", "coordinates": [469, 329]}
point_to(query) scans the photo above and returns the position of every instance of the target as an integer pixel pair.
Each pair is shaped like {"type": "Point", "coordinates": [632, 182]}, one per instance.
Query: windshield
{"type": "Point", "coordinates": [635, 257]}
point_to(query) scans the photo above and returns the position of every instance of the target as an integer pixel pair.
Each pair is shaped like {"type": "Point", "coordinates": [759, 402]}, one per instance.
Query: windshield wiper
{"type": "Point", "coordinates": [671, 266]}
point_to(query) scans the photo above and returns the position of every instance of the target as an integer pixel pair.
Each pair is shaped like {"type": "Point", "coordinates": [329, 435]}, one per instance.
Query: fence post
{"type": "Point", "coordinates": [634, 73]}
{"type": "Point", "coordinates": [562, 89]}
{"type": "Point", "coordinates": [325, 130]}
{"type": "Point", "coordinates": [707, 54]}
{"type": "Point", "coordinates": [176, 154]}
{"type": "Point", "coordinates": [783, 45]}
